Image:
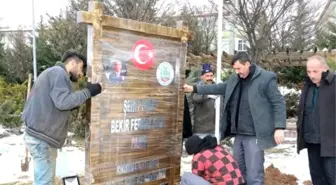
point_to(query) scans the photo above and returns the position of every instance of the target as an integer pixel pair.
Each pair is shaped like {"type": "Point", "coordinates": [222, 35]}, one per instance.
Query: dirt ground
{"type": "Point", "coordinates": [273, 176]}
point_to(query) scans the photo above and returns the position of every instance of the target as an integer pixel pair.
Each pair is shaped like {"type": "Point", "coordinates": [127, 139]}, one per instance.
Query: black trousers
{"type": "Point", "coordinates": [322, 169]}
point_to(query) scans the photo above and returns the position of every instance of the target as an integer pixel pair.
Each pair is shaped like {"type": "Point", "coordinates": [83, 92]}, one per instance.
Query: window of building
{"type": "Point", "coordinates": [242, 45]}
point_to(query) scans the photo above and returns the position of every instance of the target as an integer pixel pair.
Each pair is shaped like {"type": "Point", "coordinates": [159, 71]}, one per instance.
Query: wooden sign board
{"type": "Point", "coordinates": [136, 123]}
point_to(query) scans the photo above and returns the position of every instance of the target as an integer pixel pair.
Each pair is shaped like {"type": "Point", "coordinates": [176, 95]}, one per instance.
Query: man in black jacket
{"type": "Point", "coordinates": [316, 121]}
{"type": "Point", "coordinates": [187, 126]}
{"type": "Point", "coordinates": [254, 111]}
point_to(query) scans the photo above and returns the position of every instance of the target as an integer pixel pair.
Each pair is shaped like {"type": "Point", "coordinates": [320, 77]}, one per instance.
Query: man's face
{"type": "Point", "coordinates": [76, 70]}
{"type": "Point", "coordinates": [117, 66]}
{"type": "Point", "coordinates": [242, 70]}
{"type": "Point", "coordinates": [315, 69]}
{"type": "Point", "coordinates": [207, 78]}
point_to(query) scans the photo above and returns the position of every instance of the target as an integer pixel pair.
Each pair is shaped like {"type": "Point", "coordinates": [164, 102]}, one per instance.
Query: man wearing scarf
{"type": "Point", "coordinates": [254, 112]}
{"type": "Point", "coordinates": [316, 121]}
{"type": "Point", "coordinates": [204, 106]}
{"type": "Point", "coordinates": [211, 164]}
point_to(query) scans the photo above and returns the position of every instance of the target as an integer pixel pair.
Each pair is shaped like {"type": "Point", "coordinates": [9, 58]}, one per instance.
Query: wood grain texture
{"type": "Point", "coordinates": [136, 121]}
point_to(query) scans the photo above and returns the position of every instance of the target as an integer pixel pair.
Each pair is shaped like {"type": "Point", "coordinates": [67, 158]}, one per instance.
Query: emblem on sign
{"type": "Point", "coordinates": [143, 54]}
{"type": "Point", "coordinates": [165, 74]}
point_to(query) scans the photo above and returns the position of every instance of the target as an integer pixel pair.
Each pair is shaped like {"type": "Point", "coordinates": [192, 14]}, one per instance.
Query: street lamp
{"type": "Point", "coordinates": [219, 63]}
{"type": "Point", "coordinates": [34, 42]}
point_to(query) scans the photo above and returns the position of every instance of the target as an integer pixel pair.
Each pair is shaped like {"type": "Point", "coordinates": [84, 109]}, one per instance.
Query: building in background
{"type": "Point", "coordinates": [6, 32]}
{"type": "Point", "coordinates": [232, 40]}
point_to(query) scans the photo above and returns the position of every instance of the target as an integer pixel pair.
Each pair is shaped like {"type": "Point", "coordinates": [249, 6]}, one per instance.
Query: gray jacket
{"type": "Point", "coordinates": [204, 113]}
{"type": "Point", "coordinates": [268, 107]}
{"type": "Point", "coordinates": [48, 106]}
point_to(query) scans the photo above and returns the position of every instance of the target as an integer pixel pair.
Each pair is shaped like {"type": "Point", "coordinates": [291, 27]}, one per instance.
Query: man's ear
{"type": "Point", "coordinates": [325, 68]}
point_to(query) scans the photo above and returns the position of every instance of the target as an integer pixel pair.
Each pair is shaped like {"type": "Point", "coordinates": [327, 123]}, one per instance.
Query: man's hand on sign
{"type": "Point", "coordinates": [188, 88]}
{"type": "Point", "coordinates": [94, 88]}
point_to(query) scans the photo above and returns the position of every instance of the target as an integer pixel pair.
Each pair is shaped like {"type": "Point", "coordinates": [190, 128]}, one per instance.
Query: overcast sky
{"type": "Point", "coordinates": [19, 12]}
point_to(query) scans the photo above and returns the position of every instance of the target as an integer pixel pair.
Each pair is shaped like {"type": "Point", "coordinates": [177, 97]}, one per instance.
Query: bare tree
{"type": "Point", "coordinates": [326, 37]}
{"type": "Point", "coordinates": [202, 21]}
{"type": "Point", "coordinates": [255, 20]}
{"type": "Point", "coordinates": [282, 33]}
{"type": "Point", "coordinates": [142, 10]}
{"type": "Point", "coordinates": [304, 25]}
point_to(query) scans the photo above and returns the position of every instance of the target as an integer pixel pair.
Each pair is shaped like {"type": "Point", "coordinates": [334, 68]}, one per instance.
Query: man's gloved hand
{"type": "Point", "coordinates": [94, 88]}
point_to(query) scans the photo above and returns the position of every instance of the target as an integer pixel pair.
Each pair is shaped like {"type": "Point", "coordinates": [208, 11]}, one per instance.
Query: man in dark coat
{"type": "Point", "coordinates": [254, 111]}
{"type": "Point", "coordinates": [187, 126]}
{"type": "Point", "coordinates": [316, 121]}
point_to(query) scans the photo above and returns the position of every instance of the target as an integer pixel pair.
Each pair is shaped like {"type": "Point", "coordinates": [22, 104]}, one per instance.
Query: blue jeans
{"type": "Point", "coordinates": [250, 159]}
{"type": "Point", "coordinates": [44, 158]}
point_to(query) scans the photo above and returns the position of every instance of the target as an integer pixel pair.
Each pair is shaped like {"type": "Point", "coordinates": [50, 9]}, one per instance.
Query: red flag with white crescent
{"type": "Point", "coordinates": [143, 54]}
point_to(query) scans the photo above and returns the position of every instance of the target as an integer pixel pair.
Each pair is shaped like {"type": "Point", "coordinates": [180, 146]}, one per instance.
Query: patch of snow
{"type": "Point", "coordinates": [70, 134]}
{"type": "Point", "coordinates": [285, 90]}
{"type": "Point", "coordinates": [3, 132]}
{"type": "Point", "coordinates": [288, 162]}
{"type": "Point", "coordinates": [70, 161]}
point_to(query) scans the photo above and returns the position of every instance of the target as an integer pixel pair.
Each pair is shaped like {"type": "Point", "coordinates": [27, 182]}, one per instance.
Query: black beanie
{"type": "Point", "coordinates": [195, 144]}
{"type": "Point", "coordinates": [192, 144]}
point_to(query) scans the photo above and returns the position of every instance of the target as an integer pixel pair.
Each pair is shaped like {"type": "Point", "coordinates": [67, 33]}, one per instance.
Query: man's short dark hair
{"type": "Point", "coordinates": [242, 57]}
{"type": "Point", "coordinates": [73, 55]}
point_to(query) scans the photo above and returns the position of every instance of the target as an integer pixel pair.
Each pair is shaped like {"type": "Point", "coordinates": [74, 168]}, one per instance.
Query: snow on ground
{"type": "Point", "coordinates": [290, 162]}
{"type": "Point", "coordinates": [283, 157]}
{"type": "Point", "coordinates": [285, 90]}
{"type": "Point", "coordinates": [71, 161]}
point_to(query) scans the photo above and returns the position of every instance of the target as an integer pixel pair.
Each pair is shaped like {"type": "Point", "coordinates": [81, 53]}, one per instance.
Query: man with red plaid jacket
{"type": "Point", "coordinates": [211, 164]}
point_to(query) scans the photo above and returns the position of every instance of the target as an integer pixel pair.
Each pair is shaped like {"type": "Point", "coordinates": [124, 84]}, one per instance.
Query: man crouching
{"type": "Point", "coordinates": [211, 164]}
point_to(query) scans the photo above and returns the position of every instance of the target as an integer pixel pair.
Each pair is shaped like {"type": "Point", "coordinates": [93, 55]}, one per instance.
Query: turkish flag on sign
{"type": "Point", "coordinates": [143, 54]}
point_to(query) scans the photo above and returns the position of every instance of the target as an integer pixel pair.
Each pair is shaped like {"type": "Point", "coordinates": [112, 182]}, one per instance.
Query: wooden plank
{"type": "Point", "coordinates": [138, 116]}
{"type": "Point", "coordinates": [96, 15]}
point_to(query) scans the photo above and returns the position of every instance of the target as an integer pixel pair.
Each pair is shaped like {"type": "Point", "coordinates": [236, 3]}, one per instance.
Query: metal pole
{"type": "Point", "coordinates": [219, 63]}
{"type": "Point", "coordinates": [34, 42]}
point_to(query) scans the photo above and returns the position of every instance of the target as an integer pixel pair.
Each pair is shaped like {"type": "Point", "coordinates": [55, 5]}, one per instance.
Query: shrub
{"type": "Point", "coordinates": [331, 61]}
{"type": "Point", "coordinates": [11, 103]}
{"type": "Point", "coordinates": [77, 120]}
{"type": "Point", "coordinates": [226, 73]}
{"type": "Point", "coordinates": [292, 104]}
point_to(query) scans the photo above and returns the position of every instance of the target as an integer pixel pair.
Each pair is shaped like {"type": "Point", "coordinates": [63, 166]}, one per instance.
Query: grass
{"type": "Point", "coordinates": [277, 151]}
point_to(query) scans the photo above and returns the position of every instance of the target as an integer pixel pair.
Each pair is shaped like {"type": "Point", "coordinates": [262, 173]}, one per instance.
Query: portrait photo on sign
{"type": "Point", "coordinates": [115, 70]}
